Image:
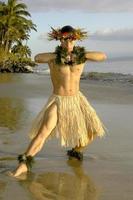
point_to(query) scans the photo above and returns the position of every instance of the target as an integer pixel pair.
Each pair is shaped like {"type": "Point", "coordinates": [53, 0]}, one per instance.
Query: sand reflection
{"type": "Point", "coordinates": [2, 187]}
{"type": "Point", "coordinates": [11, 110]}
{"type": "Point", "coordinates": [62, 185]}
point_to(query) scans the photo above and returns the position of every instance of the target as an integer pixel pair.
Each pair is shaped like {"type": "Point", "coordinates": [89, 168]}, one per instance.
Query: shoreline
{"type": "Point", "coordinates": [97, 76]}
{"type": "Point", "coordinates": [36, 86]}
{"type": "Point", "coordinates": [108, 77]}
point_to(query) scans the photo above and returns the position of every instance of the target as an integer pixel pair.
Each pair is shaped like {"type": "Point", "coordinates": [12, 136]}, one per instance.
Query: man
{"type": "Point", "coordinates": [67, 113]}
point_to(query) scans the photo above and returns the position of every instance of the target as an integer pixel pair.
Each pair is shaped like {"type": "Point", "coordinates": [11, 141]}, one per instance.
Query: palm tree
{"type": "Point", "coordinates": [14, 25]}
{"type": "Point", "coordinates": [2, 28]}
{"type": "Point", "coordinates": [21, 50]}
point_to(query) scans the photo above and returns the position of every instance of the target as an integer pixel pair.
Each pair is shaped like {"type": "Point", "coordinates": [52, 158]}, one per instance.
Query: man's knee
{"type": "Point", "coordinates": [50, 117]}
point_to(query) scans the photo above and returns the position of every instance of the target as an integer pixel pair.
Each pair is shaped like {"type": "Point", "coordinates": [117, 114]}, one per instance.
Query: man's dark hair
{"type": "Point", "coordinates": [67, 29]}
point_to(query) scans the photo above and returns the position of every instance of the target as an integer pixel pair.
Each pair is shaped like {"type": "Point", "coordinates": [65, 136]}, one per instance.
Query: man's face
{"type": "Point", "coordinates": [68, 44]}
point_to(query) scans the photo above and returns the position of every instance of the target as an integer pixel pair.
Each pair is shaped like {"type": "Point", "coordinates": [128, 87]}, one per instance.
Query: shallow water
{"type": "Point", "coordinates": [106, 171]}
{"type": "Point", "coordinates": [123, 66]}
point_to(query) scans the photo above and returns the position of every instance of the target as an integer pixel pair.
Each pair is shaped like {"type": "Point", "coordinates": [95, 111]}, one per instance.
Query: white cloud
{"type": "Point", "coordinates": [43, 36]}
{"type": "Point", "coordinates": [86, 5]}
{"type": "Point", "coordinates": [124, 34]}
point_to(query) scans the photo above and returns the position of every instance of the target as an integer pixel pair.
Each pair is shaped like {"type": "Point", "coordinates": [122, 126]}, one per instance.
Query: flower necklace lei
{"type": "Point", "coordinates": [77, 56]}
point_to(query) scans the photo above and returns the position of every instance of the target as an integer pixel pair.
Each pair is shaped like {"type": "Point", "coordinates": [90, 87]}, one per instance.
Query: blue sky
{"type": "Point", "coordinates": [109, 24]}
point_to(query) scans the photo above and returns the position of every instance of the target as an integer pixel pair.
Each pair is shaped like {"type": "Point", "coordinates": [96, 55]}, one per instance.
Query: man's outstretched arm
{"type": "Point", "coordinates": [44, 57]}
{"type": "Point", "coordinates": [96, 56]}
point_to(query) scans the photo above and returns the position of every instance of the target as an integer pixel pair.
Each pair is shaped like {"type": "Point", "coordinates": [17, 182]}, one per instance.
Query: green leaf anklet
{"type": "Point", "coordinates": [28, 160]}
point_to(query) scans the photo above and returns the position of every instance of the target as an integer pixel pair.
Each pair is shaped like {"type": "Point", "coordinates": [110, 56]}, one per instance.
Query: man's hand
{"type": "Point", "coordinates": [96, 56]}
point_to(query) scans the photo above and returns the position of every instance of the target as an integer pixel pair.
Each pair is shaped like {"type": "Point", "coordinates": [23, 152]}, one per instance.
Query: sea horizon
{"type": "Point", "coordinates": [123, 65]}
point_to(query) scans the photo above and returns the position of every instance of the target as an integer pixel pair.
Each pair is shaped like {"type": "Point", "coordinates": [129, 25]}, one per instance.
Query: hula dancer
{"type": "Point", "coordinates": [67, 114]}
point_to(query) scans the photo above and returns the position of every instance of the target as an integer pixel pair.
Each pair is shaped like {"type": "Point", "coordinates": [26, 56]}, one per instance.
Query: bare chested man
{"type": "Point", "coordinates": [67, 109]}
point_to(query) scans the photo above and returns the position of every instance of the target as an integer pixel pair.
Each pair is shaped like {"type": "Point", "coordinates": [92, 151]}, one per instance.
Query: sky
{"type": "Point", "coordinates": [109, 24]}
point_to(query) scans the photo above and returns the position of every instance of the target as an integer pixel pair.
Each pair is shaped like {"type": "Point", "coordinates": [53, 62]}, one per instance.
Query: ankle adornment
{"type": "Point", "coordinates": [28, 160]}
{"type": "Point", "coordinates": [76, 154]}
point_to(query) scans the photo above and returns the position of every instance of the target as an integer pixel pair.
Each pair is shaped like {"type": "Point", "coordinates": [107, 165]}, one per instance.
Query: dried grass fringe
{"type": "Point", "coordinates": [78, 122]}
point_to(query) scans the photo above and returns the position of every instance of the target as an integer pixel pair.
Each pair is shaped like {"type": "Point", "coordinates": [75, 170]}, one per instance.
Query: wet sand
{"type": "Point", "coordinates": [106, 171]}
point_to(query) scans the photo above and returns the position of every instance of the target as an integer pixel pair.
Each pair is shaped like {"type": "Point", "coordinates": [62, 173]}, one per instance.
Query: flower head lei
{"type": "Point", "coordinates": [67, 32]}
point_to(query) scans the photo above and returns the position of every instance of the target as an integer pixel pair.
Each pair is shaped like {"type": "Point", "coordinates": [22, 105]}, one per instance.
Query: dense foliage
{"type": "Point", "coordinates": [15, 28]}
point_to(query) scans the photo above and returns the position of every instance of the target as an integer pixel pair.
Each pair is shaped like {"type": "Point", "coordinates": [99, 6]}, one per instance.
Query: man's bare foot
{"type": "Point", "coordinates": [22, 168]}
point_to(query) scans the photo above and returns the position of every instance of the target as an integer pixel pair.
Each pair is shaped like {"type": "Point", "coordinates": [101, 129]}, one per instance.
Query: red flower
{"type": "Point", "coordinates": [65, 33]}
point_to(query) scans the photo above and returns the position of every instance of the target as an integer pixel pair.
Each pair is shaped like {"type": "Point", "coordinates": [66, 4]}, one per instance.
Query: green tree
{"type": "Point", "coordinates": [14, 24]}
{"type": "Point", "coordinates": [21, 50]}
{"type": "Point", "coordinates": [15, 28]}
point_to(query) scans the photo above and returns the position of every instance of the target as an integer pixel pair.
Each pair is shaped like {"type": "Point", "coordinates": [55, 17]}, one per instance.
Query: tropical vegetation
{"type": "Point", "coordinates": [15, 29]}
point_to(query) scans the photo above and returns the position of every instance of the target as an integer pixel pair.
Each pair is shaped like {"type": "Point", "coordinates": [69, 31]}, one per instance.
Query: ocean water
{"type": "Point", "coordinates": [106, 172]}
{"type": "Point", "coordinates": [123, 66]}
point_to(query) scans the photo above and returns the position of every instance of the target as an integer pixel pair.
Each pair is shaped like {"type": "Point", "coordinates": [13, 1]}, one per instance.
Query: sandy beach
{"type": "Point", "coordinates": [106, 171]}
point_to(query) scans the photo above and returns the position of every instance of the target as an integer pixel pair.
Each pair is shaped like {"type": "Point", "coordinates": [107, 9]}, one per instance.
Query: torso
{"type": "Point", "coordinates": [66, 78]}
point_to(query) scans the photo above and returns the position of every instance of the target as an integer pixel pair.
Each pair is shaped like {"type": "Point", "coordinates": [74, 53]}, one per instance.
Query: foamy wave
{"type": "Point", "coordinates": [40, 71]}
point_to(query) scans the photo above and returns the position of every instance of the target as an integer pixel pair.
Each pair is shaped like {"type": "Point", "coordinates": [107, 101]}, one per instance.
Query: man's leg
{"type": "Point", "coordinates": [79, 148]}
{"type": "Point", "coordinates": [50, 120]}
{"type": "Point", "coordinates": [76, 152]}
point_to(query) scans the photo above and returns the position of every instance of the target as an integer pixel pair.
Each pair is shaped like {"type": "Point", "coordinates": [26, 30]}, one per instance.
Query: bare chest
{"type": "Point", "coordinates": [66, 69]}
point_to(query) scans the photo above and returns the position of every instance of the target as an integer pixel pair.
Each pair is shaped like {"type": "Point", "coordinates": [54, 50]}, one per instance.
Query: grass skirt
{"type": "Point", "coordinates": [77, 124]}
